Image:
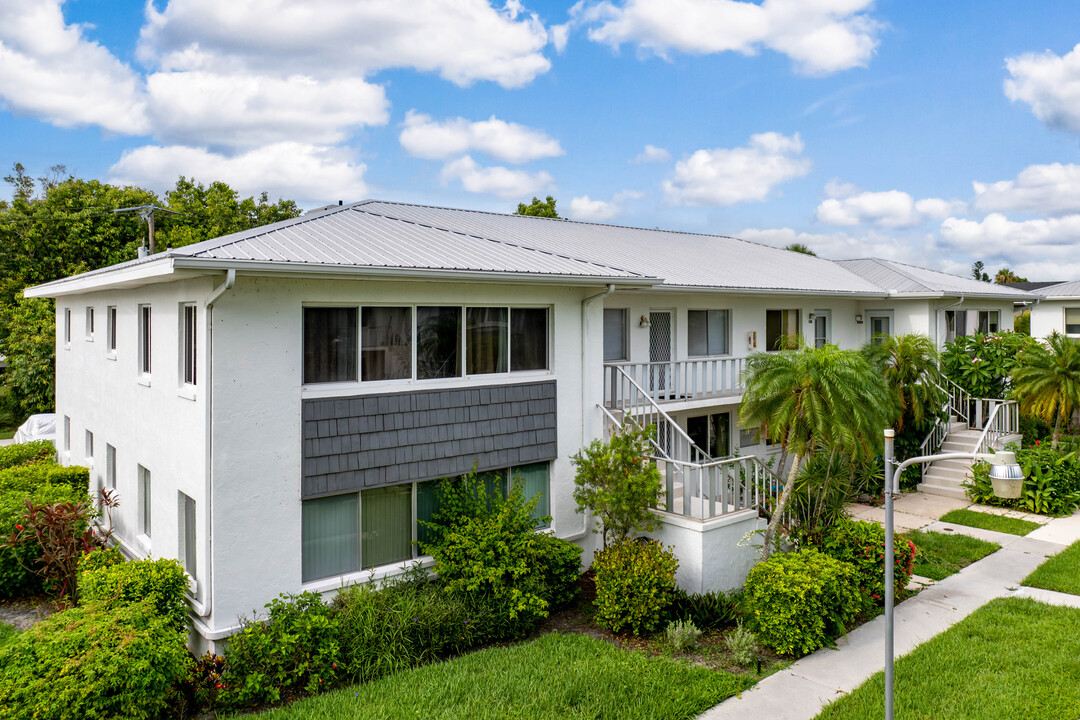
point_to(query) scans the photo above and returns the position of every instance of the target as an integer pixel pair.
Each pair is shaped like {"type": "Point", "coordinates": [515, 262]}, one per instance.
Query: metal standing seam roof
{"type": "Point", "coordinates": [1061, 290]}
{"type": "Point", "coordinates": [901, 279]}
{"type": "Point", "coordinates": [682, 259]}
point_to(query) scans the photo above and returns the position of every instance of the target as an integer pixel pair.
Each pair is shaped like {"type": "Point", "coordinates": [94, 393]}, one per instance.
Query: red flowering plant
{"type": "Point", "coordinates": [618, 482]}
{"type": "Point", "coordinates": [863, 545]}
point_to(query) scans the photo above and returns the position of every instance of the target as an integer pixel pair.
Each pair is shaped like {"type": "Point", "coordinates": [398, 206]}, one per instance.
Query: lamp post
{"type": "Point", "coordinates": [1003, 466]}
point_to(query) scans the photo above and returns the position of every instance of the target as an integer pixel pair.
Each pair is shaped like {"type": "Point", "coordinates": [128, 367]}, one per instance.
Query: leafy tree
{"type": "Point", "coordinates": [539, 208]}
{"type": "Point", "coordinates": [210, 212]}
{"type": "Point", "coordinates": [618, 483]}
{"type": "Point", "coordinates": [981, 364]}
{"type": "Point", "coordinates": [1022, 323]}
{"type": "Point", "coordinates": [809, 399]}
{"type": "Point", "coordinates": [800, 248]}
{"type": "Point", "coordinates": [1047, 381]}
{"type": "Point", "coordinates": [978, 273]}
{"type": "Point", "coordinates": [30, 347]}
{"type": "Point", "coordinates": [1005, 275]}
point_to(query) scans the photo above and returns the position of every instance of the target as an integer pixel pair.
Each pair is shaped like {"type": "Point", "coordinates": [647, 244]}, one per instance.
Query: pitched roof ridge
{"type": "Point", "coordinates": [497, 240]}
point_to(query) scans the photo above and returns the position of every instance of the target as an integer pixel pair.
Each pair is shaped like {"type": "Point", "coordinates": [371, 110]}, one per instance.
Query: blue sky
{"type": "Point", "coordinates": [932, 133]}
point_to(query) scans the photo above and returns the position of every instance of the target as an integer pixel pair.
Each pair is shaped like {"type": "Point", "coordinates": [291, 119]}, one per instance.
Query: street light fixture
{"type": "Point", "coordinates": [1002, 466]}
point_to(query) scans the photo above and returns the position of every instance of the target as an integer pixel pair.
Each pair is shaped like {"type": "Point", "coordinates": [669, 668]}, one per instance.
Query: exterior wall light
{"type": "Point", "coordinates": [644, 322]}
{"type": "Point", "coordinates": [858, 319]}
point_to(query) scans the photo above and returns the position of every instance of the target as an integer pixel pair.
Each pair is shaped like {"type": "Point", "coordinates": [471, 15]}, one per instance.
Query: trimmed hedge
{"type": "Point", "coordinates": [635, 583]}
{"type": "Point", "coordinates": [92, 661]}
{"type": "Point", "coordinates": [800, 601]}
{"type": "Point", "coordinates": [162, 583]}
{"type": "Point", "coordinates": [15, 579]}
{"type": "Point", "coordinates": [27, 478]}
{"type": "Point", "coordinates": [26, 453]}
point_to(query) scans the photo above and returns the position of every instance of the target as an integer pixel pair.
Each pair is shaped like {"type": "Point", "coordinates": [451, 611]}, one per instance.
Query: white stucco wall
{"type": "Point", "coordinates": [1049, 316]}
{"type": "Point", "coordinates": [153, 422]}
{"type": "Point", "coordinates": [709, 553]}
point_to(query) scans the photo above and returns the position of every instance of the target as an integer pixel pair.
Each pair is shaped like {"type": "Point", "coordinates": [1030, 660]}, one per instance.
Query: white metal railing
{"type": "Point", "coordinates": [1003, 419]}
{"type": "Point", "coordinates": [716, 488]}
{"type": "Point", "coordinates": [676, 379]}
{"type": "Point", "coordinates": [959, 400]}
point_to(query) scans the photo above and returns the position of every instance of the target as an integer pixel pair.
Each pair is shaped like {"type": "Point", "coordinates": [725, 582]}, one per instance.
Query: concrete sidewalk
{"type": "Point", "coordinates": [800, 691]}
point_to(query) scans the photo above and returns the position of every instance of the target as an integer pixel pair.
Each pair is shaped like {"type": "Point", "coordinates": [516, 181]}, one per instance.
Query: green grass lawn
{"type": "Point", "coordinates": [554, 676]}
{"type": "Point", "coordinates": [939, 555]}
{"type": "Point", "coordinates": [1012, 659]}
{"type": "Point", "coordinates": [1061, 572]}
{"type": "Point", "coordinates": [987, 521]}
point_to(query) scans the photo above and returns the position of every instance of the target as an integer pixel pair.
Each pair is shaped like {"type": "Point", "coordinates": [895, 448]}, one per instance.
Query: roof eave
{"type": "Point", "coordinates": [731, 289]}
{"type": "Point", "coordinates": [152, 271]}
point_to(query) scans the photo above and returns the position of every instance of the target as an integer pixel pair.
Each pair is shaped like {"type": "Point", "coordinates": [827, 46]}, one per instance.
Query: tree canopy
{"type": "Point", "coordinates": [1046, 380]}
{"type": "Point", "coordinates": [800, 248]}
{"type": "Point", "coordinates": [539, 208]}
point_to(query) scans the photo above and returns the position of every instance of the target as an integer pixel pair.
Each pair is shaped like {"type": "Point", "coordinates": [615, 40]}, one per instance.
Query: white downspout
{"type": "Point", "coordinates": [586, 407]}
{"type": "Point", "coordinates": [202, 608]}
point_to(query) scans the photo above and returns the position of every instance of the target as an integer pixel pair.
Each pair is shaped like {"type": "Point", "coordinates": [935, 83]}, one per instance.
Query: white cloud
{"type": "Point", "coordinates": [651, 153]}
{"type": "Point", "coordinates": [1049, 84]}
{"type": "Point", "coordinates": [820, 36]}
{"type": "Point", "coordinates": [305, 173]}
{"type": "Point", "coordinates": [725, 176]}
{"type": "Point", "coordinates": [1044, 189]}
{"type": "Point", "coordinates": [50, 70]}
{"type": "Point", "coordinates": [836, 189]}
{"type": "Point", "coordinates": [846, 205]}
{"type": "Point", "coordinates": [585, 208]}
{"type": "Point", "coordinates": [464, 41]}
{"type": "Point", "coordinates": [507, 141]}
{"type": "Point", "coordinates": [998, 234]}
{"type": "Point", "coordinates": [204, 108]}
{"type": "Point", "coordinates": [499, 181]}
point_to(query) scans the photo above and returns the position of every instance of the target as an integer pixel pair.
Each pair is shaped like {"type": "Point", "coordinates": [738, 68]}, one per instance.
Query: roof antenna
{"type": "Point", "coordinates": [147, 214]}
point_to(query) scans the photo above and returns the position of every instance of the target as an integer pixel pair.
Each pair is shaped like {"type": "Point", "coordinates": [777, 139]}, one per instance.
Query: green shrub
{"type": "Point", "coordinates": [862, 544]}
{"type": "Point", "coordinates": [292, 653]}
{"type": "Point", "coordinates": [1051, 482]}
{"type": "Point", "coordinates": [92, 662]}
{"type": "Point", "coordinates": [17, 578]}
{"type": "Point", "coordinates": [710, 611]}
{"type": "Point", "coordinates": [635, 583]}
{"type": "Point", "coordinates": [561, 562]}
{"type": "Point", "coordinates": [407, 623]}
{"type": "Point", "coordinates": [100, 558]}
{"type": "Point", "coordinates": [162, 582]}
{"type": "Point", "coordinates": [487, 551]}
{"type": "Point", "coordinates": [682, 635]}
{"type": "Point", "coordinates": [26, 453]}
{"type": "Point", "coordinates": [800, 601]}
{"type": "Point", "coordinates": [742, 645]}
{"type": "Point", "coordinates": [819, 499]}
{"type": "Point", "coordinates": [28, 478]}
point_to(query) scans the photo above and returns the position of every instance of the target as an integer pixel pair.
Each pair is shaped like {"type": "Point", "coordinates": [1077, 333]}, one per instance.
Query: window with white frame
{"type": "Point", "coordinates": [446, 341]}
{"type": "Point", "coordinates": [145, 345]}
{"type": "Point", "coordinates": [346, 533]}
{"type": "Point", "coordinates": [67, 326]}
{"type": "Point", "coordinates": [67, 434]}
{"type": "Point", "coordinates": [110, 467]}
{"type": "Point", "coordinates": [708, 332]}
{"type": "Point", "coordinates": [781, 329]}
{"type": "Point", "coordinates": [186, 525]}
{"type": "Point", "coordinates": [110, 328]}
{"type": "Point", "coordinates": [989, 321]}
{"type": "Point", "coordinates": [144, 501]}
{"type": "Point", "coordinates": [89, 447]}
{"type": "Point", "coordinates": [188, 345]}
{"type": "Point", "coordinates": [615, 348]}
{"type": "Point", "coordinates": [90, 323]}
{"type": "Point", "coordinates": [1072, 321]}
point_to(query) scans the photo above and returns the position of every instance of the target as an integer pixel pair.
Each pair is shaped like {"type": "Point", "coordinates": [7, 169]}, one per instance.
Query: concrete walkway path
{"type": "Point", "coordinates": [805, 687]}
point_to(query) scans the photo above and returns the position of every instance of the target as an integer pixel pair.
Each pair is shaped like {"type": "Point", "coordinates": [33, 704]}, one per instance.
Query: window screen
{"type": "Point", "coordinates": [386, 343]}
{"type": "Point", "coordinates": [329, 344]}
{"type": "Point", "coordinates": [528, 339]}
{"type": "Point", "coordinates": [438, 342]}
{"type": "Point", "coordinates": [614, 334]}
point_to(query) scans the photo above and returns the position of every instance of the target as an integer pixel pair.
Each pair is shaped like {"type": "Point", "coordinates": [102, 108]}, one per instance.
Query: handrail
{"type": "Point", "coordinates": [664, 423]}
{"type": "Point", "coordinates": [690, 379]}
{"type": "Point", "coordinates": [1003, 420]}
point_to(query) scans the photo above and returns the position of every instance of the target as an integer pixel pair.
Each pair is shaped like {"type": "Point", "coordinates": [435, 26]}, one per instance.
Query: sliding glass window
{"type": "Point", "coordinates": [528, 339]}
{"type": "Point", "coordinates": [486, 340]}
{"type": "Point", "coordinates": [385, 343]}
{"type": "Point", "coordinates": [330, 347]}
{"type": "Point", "coordinates": [438, 342]}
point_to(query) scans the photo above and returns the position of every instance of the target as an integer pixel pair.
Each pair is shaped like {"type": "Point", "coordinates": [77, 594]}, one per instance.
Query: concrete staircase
{"type": "Point", "coordinates": [944, 477]}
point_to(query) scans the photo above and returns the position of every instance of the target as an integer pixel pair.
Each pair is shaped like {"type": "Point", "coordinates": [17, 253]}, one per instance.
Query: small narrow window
{"type": "Point", "coordinates": [188, 346]}
{"type": "Point", "coordinates": [110, 467]}
{"type": "Point", "coordinates": [144, 501]}
{"type": "Point", "coordinates": [615, 334]}
{"type": "Point", "coordinates": [110, 327]}
{"type": "Point", "coordinates": [187, 534]}
{"type": "Point", "coordinates": [438, 342]}
{"type": "Point", "coordinates": [528, 339]}
{"type": "Point", "coordinates": [89, 447]}
{"type": "Point", "coordinates": [748, 437]}
{"type": "Point", "coordinates": [90, 323]}
{"type": "Point", "coordinates": [67, 434]}
{"type": "Point", "coordinates": [67, 326]}
{"type": "Point", "coordinates": [330, 344]}
{"type": "Point", "coordinates": [144, 339]}
{"type": "Point", "coordinates": [385, 343]}
{"type": "Point", "coordinates": [486, 340]}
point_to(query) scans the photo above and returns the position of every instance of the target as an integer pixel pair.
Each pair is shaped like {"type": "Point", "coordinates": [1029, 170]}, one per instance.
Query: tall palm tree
{"type": "Point", "coordinates": [909, 365]}
{"type": "Point", "coordinates": [811, 398]}
{"type": "Point", "coordinates": [1047, 381]}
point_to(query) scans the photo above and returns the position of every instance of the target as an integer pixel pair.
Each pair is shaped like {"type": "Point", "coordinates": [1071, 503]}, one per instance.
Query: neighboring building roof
{"type": "Point", "coordinates": [1029, 286]}
{"type": "Point", "coordinates": [901, 280]}
{"type": "Point", "coordinates": [1064, 290]}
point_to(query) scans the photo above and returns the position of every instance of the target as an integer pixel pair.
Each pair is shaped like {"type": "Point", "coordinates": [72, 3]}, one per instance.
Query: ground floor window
{"type": "Point", "coordinates": [711, 433]}
{"type": "Point", "coordinates": [989, 321]}
{"type": "Point", "coordinates": [382, 526]}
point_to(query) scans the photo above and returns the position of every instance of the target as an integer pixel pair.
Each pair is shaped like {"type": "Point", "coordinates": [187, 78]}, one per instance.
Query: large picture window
{"type": "Point", "coordinates": [330, 347]}
{"type": "Point", "coordinates": [385, 343]}
{"type": "Point", "coordinates": [781, 329]}
{"type": "Point", "coordinates": [383, 526]}
{"type": "Point", "coordinates": [707, 332]}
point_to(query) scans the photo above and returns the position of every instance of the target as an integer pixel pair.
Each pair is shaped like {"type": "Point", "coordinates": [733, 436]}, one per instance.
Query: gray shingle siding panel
{"type": "Point", "coordinates": [364, 442]}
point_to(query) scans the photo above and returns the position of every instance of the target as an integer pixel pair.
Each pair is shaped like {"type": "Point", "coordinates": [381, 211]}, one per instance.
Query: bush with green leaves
{"type": "Point", "coordinates": [981, 364]}
{"type": "Point", "coordinates": [862, 545]}
{"type": "Point", "coordinates": [798, 602]}
{"type": "Point", "coordinates": [682, 635]}
{"type": "Point", "coordinates": [93, 661]}
{"type": "Point", "coordinates": [487, 550]}
{"type": "Point", "coordinates": [635, 584]}
{"type": "Point", "coordinates": [618, 483]}
{"type": "Point", "coordinates": [18, 563]}
{"type": "Point", "coordinates": [710, 611]}
{"type": "Point", "coordinates": [46, 472]}
{"type": "Point", "coordinates": [408, 622]}
{"type": "Point", "coordinates": [819, 498]}
{"type": "Point", "coordinates": [294, 652]}
{"type": "Point", "coordinates": [1051, 482]}
{"type": "Point", "coordinates": [26, 453]}
{"type": "Point", "coordinates": [742, 645]}
{"type": "Point", "coordinates": [162, 582]}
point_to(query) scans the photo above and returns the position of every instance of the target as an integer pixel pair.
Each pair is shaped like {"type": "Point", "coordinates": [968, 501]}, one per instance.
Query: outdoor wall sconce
{"type": "Point", "coordinates": [858, 319]}
{"type": "Point", "coordinates": [810, 318]}
{"type": "Point", "coordinates": [644, 322]}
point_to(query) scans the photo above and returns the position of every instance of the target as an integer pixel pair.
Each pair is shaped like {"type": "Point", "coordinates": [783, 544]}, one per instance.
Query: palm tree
{"type": "Point", "coordinates": [1047, 381]}
{"type": "Point", "coordinates": [909, 365]}
{"type": "Point", "coordinates": [810, 398]}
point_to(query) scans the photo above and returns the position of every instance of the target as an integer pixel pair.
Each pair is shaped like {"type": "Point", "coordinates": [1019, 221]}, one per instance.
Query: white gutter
{"type": "Point", "coordinates": [586, 406]}
{"type": "Point", "coordinates": [202, 608]}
